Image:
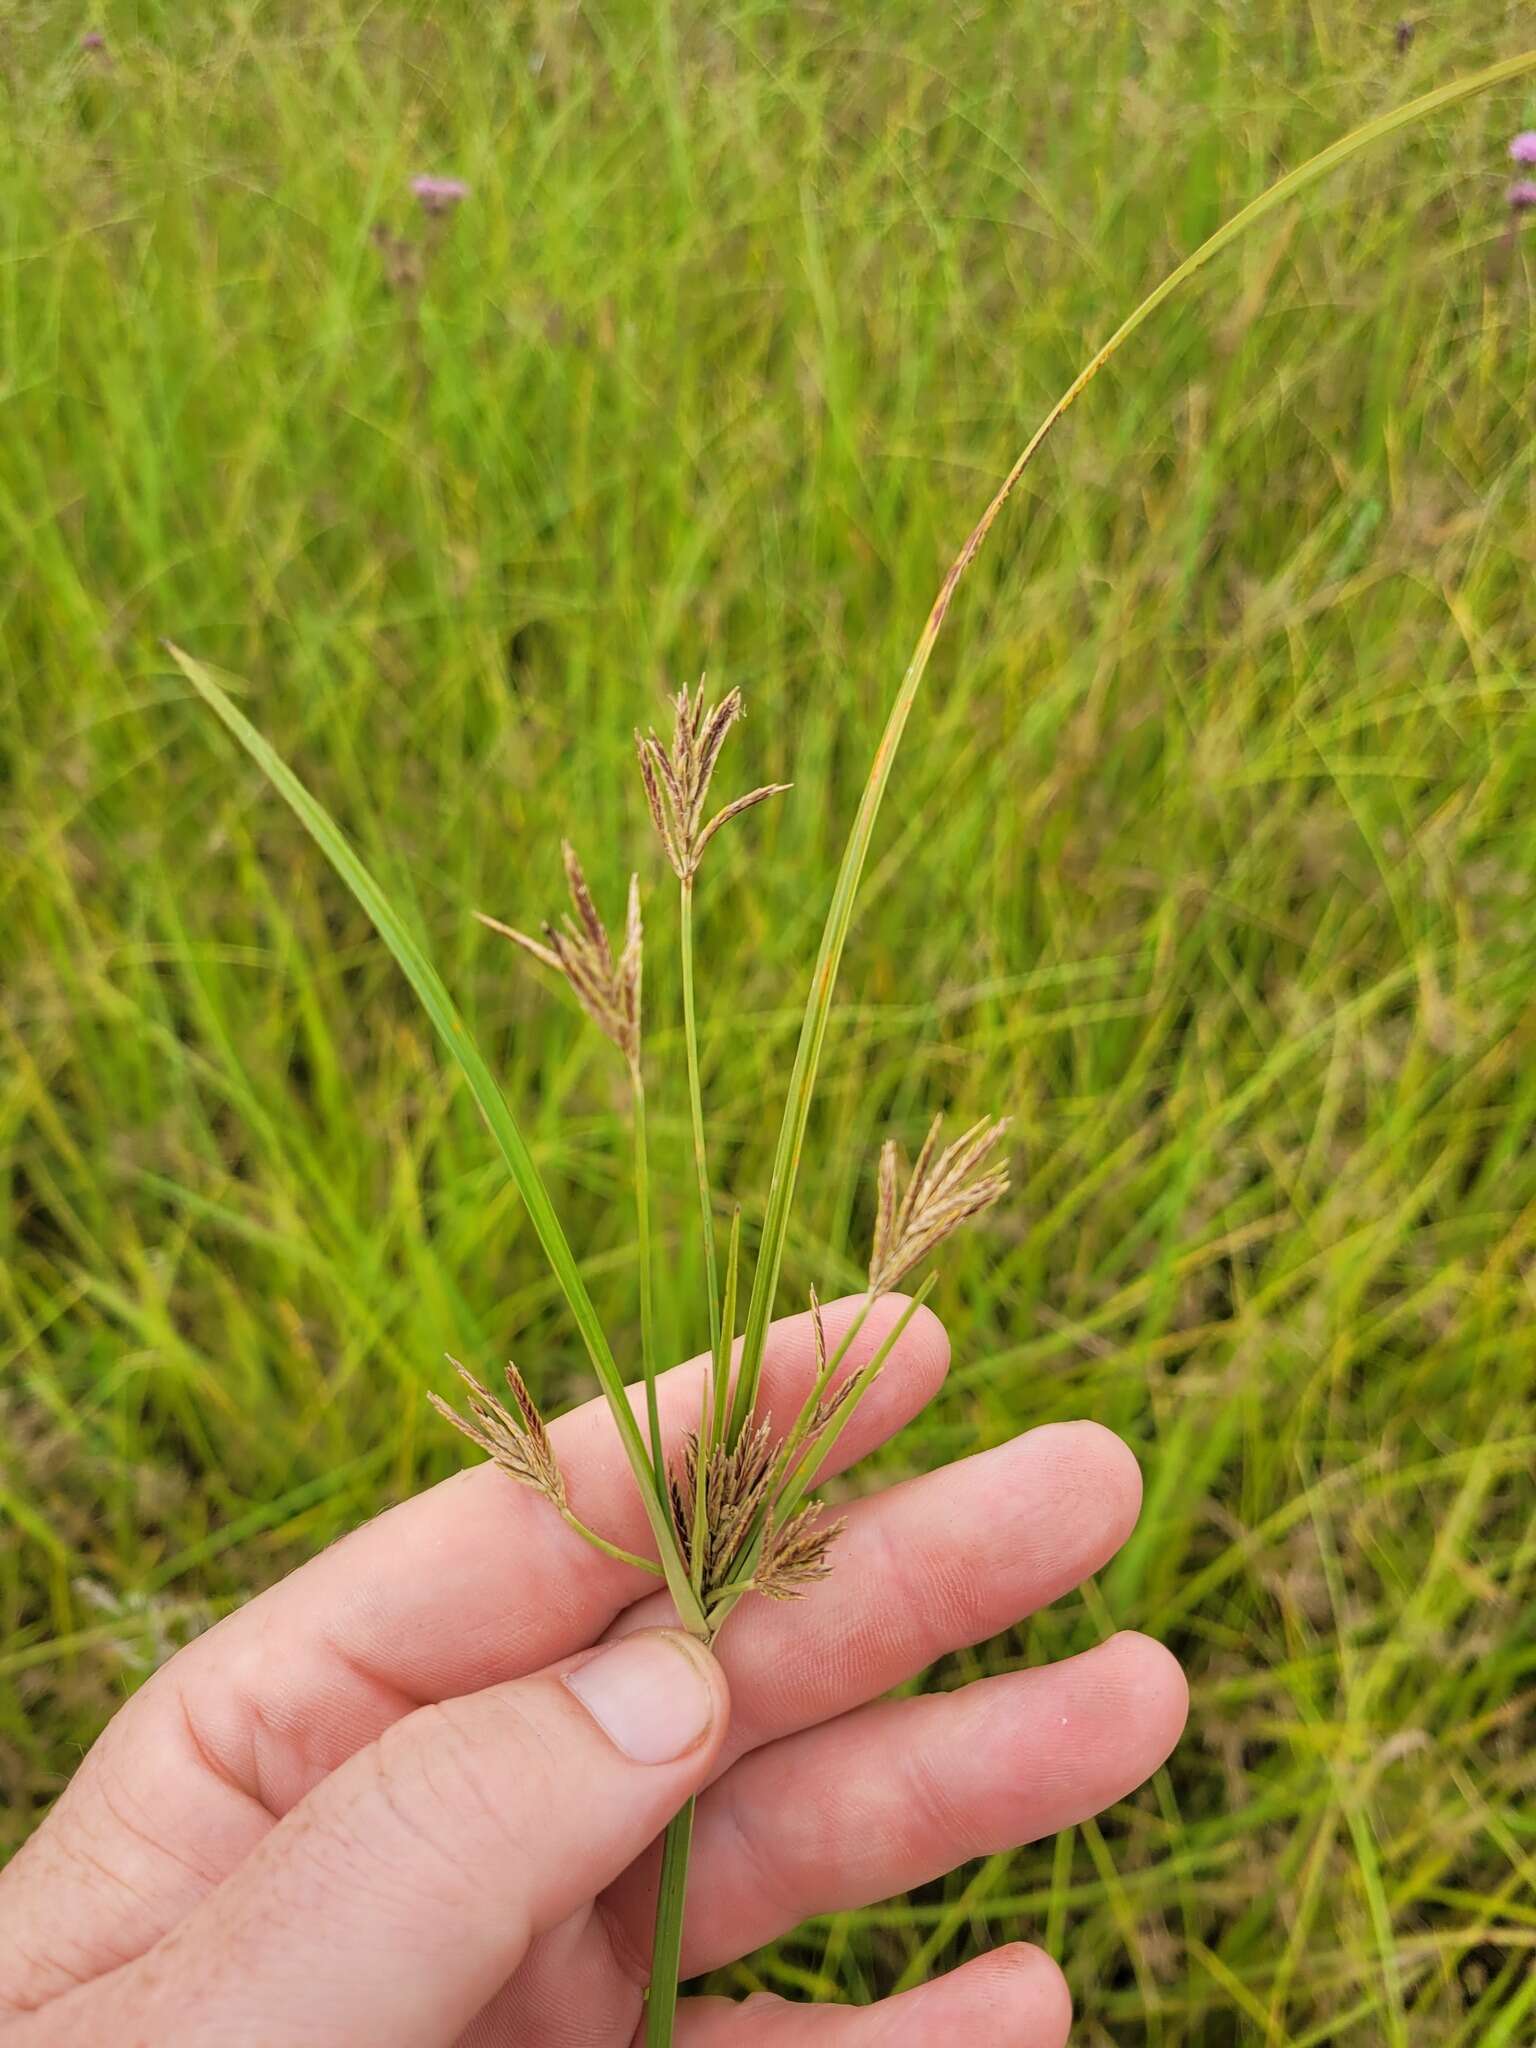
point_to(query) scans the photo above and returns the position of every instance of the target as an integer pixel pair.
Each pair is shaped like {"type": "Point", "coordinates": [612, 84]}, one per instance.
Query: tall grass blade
{"type": "Point", "coordinates": [786, 1163]}
{"type": "Point", "coordinates": [450, 1026]}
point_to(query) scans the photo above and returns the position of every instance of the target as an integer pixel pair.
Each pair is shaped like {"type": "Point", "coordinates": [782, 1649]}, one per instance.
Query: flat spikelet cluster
{"type": "Point", "coordinates": [514, 1439]}
{"type": "Point", "coordinates": [731, 1511]}
{"type": "Point", "coordinates": [939, 1197]}
{"type": "Point", "coordinates": [743, 1491]}
{"type": "Point", "coordinates": [677, 778]}
{"type": "Point", "coordinates": [795, 1553]}
{"type": "Point", "coordinates": [605, 983]}
{"type": "Point", "coordinates": [736, 1482]}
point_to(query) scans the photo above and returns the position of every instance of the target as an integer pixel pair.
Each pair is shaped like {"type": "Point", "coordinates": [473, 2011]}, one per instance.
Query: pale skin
{"type": "Point", "coordinates": [408, 1797]}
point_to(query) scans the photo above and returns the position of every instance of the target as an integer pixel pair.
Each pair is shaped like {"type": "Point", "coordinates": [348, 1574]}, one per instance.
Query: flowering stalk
{"type": "Point", "coordinates": [647, 1308]}
{"type": "Point", "coordinates": [516, 1440]}
{"type": "Point", "coordinates": [720, 1388]}
{"type": "Point", "coordinates": [696, 1108]}
{"type": "Point", "coordinates": [677, 779]}
{"type": "Point", "coordinates": [754, 1531]}
{"type": "Point", "coordinates": [607, 984]}
{"type": "Point", "coordinates": [667, 1939]}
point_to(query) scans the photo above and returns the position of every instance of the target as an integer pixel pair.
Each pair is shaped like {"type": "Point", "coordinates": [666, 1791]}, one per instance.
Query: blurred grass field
{"type": "Point", "coordinates": [1212, 855]}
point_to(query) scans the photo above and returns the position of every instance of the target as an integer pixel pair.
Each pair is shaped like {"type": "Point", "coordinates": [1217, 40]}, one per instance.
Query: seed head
{"type": "Point", "coordinates": [794, 1554]}
{"type": "Point", "coordinates": [677, 779]}
{"type": "Point", "coordinates": [937, 1200]}
{"type": "Point", "coordinates": [831, 1401]}
{"type": "Point", "coordinates": [607, 987]}
{"type": "Point", "coordinates": [737, 1480]}
{"type": "Point", "coordinates": [518, 1443]}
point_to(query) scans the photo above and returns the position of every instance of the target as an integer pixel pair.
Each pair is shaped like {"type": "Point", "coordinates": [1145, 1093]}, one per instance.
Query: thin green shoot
{"type": "Point", "coordinates": [696, 1108]}
{"type": "Point", "coordinates": [647, 1282]}
{"type": "Point", "coordinates": [450, 1027]}
{"type": "Point", "coordinates": [813, 1031]}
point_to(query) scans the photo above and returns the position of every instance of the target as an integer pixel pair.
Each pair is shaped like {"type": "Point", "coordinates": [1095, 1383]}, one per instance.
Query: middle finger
{"type": "Point", "coordinates": [922, 1569]}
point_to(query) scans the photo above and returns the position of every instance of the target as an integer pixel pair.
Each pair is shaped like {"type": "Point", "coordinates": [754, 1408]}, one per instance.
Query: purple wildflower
{"type": "Point", "coordinates": [1522, 194]}
{"type": "Point", "coordinates": [439, 195]}
{"type": "Point", "coordinates": [93, 39]}
{"type": "Point", "coordinates": [1523, 148]}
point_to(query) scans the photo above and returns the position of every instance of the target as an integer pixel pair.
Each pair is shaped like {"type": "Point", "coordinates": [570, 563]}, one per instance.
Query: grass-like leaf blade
{"type": "Point", "coordinates": [813, 1030]}
{"type": "Point", "coordinates": [451, 1028]}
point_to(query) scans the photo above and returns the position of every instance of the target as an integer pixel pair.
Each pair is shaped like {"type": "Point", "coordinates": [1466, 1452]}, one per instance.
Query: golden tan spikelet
{"type": "Point", "coordinates": [737, 1481]}
{"type": "Point", "coordinates": [677, 779]}
{"type": "Point", "coordinates": [831, 1401]}
{"type": "Point", "coordinates": [937, 1198]}
{"type": "Point", "coordinates": [606, 986]}
{"type": "Point", "coordinates": [794, 1554]}
{"type": "Point", "coordinates": [519, 1443]}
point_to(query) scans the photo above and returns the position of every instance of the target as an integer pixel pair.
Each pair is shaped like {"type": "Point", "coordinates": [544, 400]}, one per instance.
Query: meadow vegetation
{"type": "Point", "coordinates": [1210, 858]}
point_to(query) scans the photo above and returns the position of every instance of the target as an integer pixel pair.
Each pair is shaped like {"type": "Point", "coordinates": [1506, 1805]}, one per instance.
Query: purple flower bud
{"type": "Point", "coordinates": [1522, 194]}
{"type": "Point", "coordinates": [1523, 147]}
{"type": "Point", "coordinates": [1403, 35]}
{"type": "Point", "coordinates": [93, 39]}
{"type": "Point", "coordinates": [439, 195]}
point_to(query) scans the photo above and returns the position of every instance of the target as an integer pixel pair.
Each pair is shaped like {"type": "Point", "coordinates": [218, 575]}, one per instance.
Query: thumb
{"type": "Point", "coordinates": [396, 1899]}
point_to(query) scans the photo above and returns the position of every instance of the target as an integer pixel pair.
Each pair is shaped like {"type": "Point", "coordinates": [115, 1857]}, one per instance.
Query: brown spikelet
{"type": "Point", "coordinates": [939, 1197]}
{"type": "Point", "coordinates": [832, 1404]}
{"type": "Point", "coordinates": [677, 779]}
{"type": "Point", "coordinates": [794, 1554]}
{"type": "Point", "coordinates": [519, 1443]}
{"type": "Point", "coordinates": [608, 989]}
{"type": "Point", "coordinates": [738, 1480]}
{"type": "Point", "coordinates": [830, 1401]}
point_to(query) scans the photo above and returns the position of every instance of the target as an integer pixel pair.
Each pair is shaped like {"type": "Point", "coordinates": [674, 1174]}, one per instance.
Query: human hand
{"type": "Point", "coordinates": [401, 1800]}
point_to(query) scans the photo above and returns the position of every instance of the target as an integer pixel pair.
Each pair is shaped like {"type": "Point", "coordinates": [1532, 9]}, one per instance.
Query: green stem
{"type": "Point", "coordinates": [720, 1393]}
{"type": "Point", "coordinates": [800, 1428]}
{"type": "Point", "coordinates": [667, 1948]}
{"type": "Point", "coordinates": [614, 1550]}
{"type": "Point", "coordinates": [647, 1305]}
{"type": "Point", "coordinates": [815, 1460]}
{"type": "Point", "coordinates": [696, 1111]}
{"type": "Point", "coordinates": [450, 1026]}
{"type": "Point", "coordinates": [813, 1031]}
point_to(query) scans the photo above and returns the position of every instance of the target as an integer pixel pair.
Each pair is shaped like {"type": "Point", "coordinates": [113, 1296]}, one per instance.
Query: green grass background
{"type": "Point", "coordinates": [1210, 856]}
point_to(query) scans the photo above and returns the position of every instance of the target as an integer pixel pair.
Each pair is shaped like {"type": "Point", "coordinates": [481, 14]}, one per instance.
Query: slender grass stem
{"type": "Point", "coordinates": [647, 1302]}
{"type": "Point", "coordinates": [451, 1028]}
{"type": "Point", "coordinates": [696, 1109]}
{"type": "Point", "coordinates": [800, 1427]}
{"type": "Point", "coordinates": [813, 1030]}
{"type": "Point", "coordinates": [720, 1396]}
{"type": "Point", "coordinates": [667, 1948]}
{"type": "Point", "coordinates": [699, 1547]}
{"type": "Point", "coordinates": [614, 1550]}
{"type": "Point", "coordinates": [804, 1476]}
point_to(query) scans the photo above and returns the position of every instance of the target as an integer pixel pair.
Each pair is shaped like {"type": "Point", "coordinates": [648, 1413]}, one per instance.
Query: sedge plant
{"type": "Point", "coordinates": [733, 1512]}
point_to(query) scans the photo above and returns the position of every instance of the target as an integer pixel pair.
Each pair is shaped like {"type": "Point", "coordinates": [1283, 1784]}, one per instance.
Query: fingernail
{"type": "Point", "coordinates": [650, 1695]}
